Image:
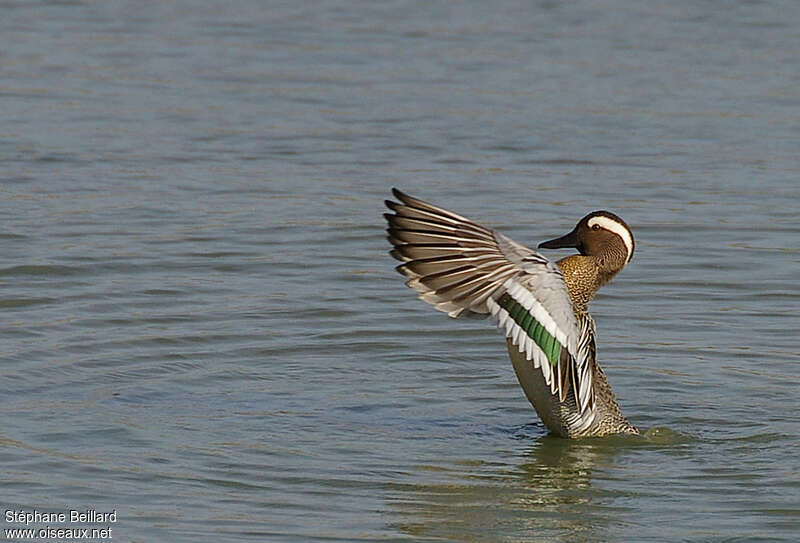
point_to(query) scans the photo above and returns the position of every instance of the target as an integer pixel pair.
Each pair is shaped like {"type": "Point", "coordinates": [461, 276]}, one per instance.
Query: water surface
{"type": "Point", "coordinates": [202, 328]}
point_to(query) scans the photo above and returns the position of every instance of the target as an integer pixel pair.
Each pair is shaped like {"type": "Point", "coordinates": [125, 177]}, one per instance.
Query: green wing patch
{"type": "Point", "coordinates": [525, 320]}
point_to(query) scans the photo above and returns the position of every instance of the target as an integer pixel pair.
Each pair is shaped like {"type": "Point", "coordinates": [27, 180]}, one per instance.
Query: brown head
{"type": "Point", "coordinates": [602, 235]}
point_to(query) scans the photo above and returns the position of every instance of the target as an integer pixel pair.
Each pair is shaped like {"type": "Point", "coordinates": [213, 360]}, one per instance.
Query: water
{"type": "Point", "coordinates": [202, 330]}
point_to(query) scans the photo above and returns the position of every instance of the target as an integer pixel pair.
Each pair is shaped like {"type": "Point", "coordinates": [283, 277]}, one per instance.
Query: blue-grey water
{"type": "Point", "coordinates": [202, 329]}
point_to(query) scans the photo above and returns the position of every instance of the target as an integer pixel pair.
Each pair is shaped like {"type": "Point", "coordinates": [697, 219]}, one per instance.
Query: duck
{"type": "Point", "coordinates": [542, 306]}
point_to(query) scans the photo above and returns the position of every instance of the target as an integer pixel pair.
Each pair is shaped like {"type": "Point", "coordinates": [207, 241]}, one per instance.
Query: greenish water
{"type": "Point", "coordinates": [202, 328]}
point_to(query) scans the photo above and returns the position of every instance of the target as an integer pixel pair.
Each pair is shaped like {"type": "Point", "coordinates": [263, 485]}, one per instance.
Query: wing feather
{"type": "Point", "coordinates": [463, 269]}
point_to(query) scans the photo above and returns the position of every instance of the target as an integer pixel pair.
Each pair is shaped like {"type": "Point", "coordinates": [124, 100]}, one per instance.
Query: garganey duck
{"type": "Point", "coordinates": [465, 269]}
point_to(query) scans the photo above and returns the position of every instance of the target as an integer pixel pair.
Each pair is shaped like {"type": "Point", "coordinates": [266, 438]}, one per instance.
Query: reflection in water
{"type": "Point", "coordinates": [548, 495]}
{"type": "Point", "coordinates": [558, 476]}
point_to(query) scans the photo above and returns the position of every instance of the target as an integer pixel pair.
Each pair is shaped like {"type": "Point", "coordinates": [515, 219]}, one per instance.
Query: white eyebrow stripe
{"type": "Point", "coordinates": [619, 229]}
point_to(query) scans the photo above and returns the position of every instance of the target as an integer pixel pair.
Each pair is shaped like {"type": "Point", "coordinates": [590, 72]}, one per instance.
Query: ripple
{"type": "Point", "coordinates": [15, 303]}
{"type": "Point", "coordinates": [41, 270]}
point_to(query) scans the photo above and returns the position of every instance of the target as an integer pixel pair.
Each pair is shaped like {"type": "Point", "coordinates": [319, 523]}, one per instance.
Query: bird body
{"type": "Point", "coordinates": [462, 268]}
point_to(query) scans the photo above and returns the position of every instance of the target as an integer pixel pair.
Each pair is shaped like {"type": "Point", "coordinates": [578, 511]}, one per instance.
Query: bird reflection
{"type": "Point", "coordinates": [548, 495]}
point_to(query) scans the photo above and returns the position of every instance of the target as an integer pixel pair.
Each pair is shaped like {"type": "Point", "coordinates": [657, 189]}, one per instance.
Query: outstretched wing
{"type": "Point", "coordinates": [462, 268]}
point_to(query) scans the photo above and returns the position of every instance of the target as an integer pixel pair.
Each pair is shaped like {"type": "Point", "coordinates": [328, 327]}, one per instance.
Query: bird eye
{"type": "Point", "coordinates": [595, 227]}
